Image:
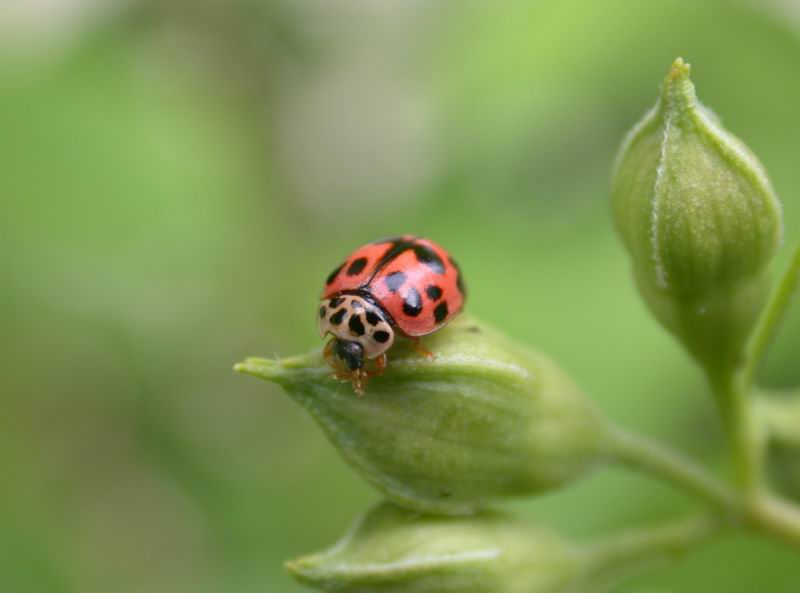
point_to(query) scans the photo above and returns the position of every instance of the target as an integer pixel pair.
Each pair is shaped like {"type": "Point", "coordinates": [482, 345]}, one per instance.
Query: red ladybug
{"type": "Point", "coordinates": [406, 286]}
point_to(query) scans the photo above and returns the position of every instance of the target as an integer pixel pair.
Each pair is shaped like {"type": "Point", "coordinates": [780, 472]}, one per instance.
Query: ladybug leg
{"type": "Point", "coordinates": [328, 354]}
{"type": "Point", "coordinates": [416, 344]}
{"type": "Point", "coordinates": [340, 373]}
{"type": "Point", "coordinates": [333, 361]}
{"type": "Point", "coordinates": [380, 365]}
{"type": "Point", "coordinates": [359, 380]}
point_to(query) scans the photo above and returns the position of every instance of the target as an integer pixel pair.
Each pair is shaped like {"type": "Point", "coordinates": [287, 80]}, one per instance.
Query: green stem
{"type": "Point", "coordinates": [625, 555]}
{"type": "Point", "coordinates": [642, 454]}
{"type": "Point", "coordinates": [757, 510]}
{"type": "Point", "coordinates": [773, 516]}
{"type": "Point", "coordinates": [774, 312]}
{"type": "Point", "coordinates": [736, 408]}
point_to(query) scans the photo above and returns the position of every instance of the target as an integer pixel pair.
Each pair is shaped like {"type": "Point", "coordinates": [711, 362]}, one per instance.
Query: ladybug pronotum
{"type": "Point", "coordinates": [403, 286]}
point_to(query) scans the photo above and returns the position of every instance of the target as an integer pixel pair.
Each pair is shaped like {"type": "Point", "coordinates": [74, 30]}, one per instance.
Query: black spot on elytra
{"type": "Point", "coordinates": [427, 256]}
{"type": "Point", "coordinates": [412, 305]}
{"type": "Point", "coordinates": [337, 317]}
{"type": "Point", "coordinates": [440, 312]}
{"type": "Point", "coordinates": [434, 292]}
{"type": "Point", "coordinates": [395, 280]}
{"type": "Point", "coordinates": [322, 311]}
{"type": "Point", "coordinates": [356, 304]}
{"type": "Point", "coordinates": [356, 325]}
{"type": "Point", "coordinates": [334, 274]}
{"type": "Point", "coordinates": [357, 266]}
{"type": "Point", "coordinates": [373, 318]}
{"type": "Point", "coordinates": [381, 336]}
{"type": "Point", "coordinates": [336, 301]}
{"type": "Point", "coordinates": [396, 247]}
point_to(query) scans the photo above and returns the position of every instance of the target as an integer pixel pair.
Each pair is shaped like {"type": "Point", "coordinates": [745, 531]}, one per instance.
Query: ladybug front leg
{"type": "Point", "coordinates": [340, 373]}
{"type": "Point", "coordinates": [416, 344]}
{"type": "Point", "coordinates": [328, 354]}
{"type": "Point", "coordinates": [380, 367]}
{"type": "Point", "coordinates": [359, 380]}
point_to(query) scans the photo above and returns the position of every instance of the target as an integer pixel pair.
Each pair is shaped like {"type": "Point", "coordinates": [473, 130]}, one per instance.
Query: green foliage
{"type": "Point", "coordinates": [177, 179]}
{"type": "Point", "coordinates": [486, 419]}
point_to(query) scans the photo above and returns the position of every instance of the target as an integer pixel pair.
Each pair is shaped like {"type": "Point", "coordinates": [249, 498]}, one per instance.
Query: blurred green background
{"type": "Point", "coordinates": [176, 180]}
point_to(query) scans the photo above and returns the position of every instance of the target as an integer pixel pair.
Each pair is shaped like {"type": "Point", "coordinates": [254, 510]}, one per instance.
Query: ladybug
{"type": "Point", "coordinates": [403, 286]}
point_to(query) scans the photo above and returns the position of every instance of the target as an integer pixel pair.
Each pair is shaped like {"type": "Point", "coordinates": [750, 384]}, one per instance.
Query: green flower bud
{"type": "Point", "coordinates": [392, 550]}
{"type": "Point", "coordinates": [483, 419]}
{"type": "Point", "coordinates": [701, 221]}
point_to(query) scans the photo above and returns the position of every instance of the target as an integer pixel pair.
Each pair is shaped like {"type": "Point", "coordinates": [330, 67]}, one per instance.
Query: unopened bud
{"type": "Point", "coordinates": [392, 550]}
{"type": "Point", "coordinates": [701, 221]}
{"type": "Point", "coordinates": [483, 419]}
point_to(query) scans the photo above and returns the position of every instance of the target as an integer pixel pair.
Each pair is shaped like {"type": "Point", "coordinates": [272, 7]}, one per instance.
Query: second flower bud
{"type": "Point", "coordinates": [701, 221]}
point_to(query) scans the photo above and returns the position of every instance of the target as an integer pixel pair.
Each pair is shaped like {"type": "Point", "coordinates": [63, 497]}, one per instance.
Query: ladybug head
{"type": "Point", "coordinates": [351, 353]}
{"type": "Point", "coordinates": [359, 327]}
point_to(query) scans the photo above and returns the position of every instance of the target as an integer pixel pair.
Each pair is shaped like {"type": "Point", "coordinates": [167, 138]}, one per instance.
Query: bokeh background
{"type": "Point", "coordinates": [177, 178]}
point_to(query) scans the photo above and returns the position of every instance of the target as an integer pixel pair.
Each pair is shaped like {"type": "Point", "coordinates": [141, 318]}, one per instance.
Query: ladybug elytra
{"type": "Point", "coordinates": [403, 286]}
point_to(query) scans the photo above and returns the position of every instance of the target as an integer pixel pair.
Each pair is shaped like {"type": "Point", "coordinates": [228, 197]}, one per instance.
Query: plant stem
{"type": "Point", "coordinates": [773, 516]}
{"type": "Point", "coordinates": [736, 408]}
{"type": "Point", "coordinates": [774, 312]}
{"type": "Point", "coordinates": [627, 554]}
{"type": "Point", "coordinates": [655, 459]}
{"type": "Point", "coordinates": [755, 509]}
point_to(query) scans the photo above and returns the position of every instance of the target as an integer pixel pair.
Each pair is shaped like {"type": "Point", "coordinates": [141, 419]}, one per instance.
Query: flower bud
{"type": "Point", "coordinates": [392, 550]}
{"type": "Point", "coordinates": [701, 221]}
{"type": "Point", "coordinates": [483, 419]}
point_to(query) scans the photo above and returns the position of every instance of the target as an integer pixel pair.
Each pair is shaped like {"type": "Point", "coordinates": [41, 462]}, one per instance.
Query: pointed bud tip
{"type": "Point", "coordinates": [679, 70]}
{"type": "Point", "coordinates": [262, 368]}
{"type": "Point", "coordinates": [677, 90]}
{"type": "Point", "coordinates": [299, 567]}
